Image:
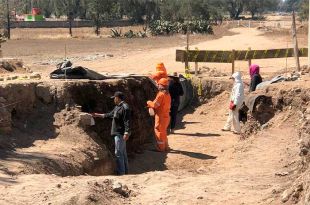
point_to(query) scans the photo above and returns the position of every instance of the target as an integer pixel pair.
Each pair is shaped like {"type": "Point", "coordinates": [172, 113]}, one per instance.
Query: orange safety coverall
{"type": "Point", "coordinates": [161, 106]}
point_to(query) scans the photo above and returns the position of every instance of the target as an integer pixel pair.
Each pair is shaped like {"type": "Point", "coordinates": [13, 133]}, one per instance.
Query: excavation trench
{"type": "Point", "coordinates": [41, 130]}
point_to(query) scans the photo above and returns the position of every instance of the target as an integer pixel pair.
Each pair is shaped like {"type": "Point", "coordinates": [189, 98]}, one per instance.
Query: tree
{"type": "Point", "coordinates": [290, 5]}
{"type": "Point", "coordinates": [134, 9]}
{"type": "Point", "coordinates": [304, 10]}
{"type": "Point", "coordinates": [260, 6]}
{"type": "Point", "coordinates": [174, 10]}
{"type": "Point", "coordinates": [200, 9]}
{"type": "Point", "coordinates": [99, 10]}
{"type": "Point", "coordinates": [234, 7]}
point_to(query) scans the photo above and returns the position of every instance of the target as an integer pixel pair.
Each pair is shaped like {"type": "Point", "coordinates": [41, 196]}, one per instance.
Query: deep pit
{"type": "Point", "coordinates": [41, 133]}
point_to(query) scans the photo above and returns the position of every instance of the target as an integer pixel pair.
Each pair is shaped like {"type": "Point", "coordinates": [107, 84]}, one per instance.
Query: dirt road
{"type": "Point", "coordinates": [243, 39]}
{"type": "Point", "coordinates": [141, 55]}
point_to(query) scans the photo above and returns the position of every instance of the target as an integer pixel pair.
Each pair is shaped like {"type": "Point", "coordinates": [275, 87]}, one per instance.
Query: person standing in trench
{"type": "Point", "coordinates": [120, 130]}
{"type": "Point", "coordinates": [161, 106]}
{"type": "Point", "coordinates": [176, 91]}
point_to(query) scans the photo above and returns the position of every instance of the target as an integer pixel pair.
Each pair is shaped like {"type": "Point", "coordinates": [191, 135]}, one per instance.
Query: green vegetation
{"type": "Point", "coordinates": [163, 16]}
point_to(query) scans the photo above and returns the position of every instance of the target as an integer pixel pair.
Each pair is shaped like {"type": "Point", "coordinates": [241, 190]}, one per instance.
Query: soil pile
{"type": "Point", "coordinates": [8, 66]}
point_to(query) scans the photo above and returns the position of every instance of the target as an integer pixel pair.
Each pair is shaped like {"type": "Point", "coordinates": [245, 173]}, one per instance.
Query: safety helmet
{"type": "Point", "coordinates": [163, 82]}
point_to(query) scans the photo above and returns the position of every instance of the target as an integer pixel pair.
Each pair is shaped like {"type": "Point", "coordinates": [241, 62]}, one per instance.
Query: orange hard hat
{"type": "Point", "coordinates": [163, 82]}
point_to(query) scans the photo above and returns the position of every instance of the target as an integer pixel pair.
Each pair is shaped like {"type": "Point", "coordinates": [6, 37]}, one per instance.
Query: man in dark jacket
{"type": "Point", "coordinates": [175, 90]}
{"type": "Point", "coordinates": [120, 130]}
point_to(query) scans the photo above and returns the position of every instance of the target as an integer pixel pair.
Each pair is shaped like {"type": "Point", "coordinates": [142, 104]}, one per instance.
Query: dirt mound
{"type": "Point", "coordinates": [8, 66]}
{"type": "Point", "coordinates": [207, 88]}
{"type": "Point", "coordinates": [305, 70]}
{"type": "Point", "coordinates": [294, 103]}
{"type": "Point", "coordinates": [53, 190]}
{"type": "Point", "coordinates": [40, 130]}
{"type": "Point", "coordinates": [211, 72]}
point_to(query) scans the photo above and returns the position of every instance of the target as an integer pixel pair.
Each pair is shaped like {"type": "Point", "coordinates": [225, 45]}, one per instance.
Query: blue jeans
{"type": "Point", "coordinates": [121, 155]}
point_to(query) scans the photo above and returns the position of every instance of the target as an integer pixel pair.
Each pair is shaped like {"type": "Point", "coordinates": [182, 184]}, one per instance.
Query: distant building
{"type": "Point", "coordinates": [34, 16]}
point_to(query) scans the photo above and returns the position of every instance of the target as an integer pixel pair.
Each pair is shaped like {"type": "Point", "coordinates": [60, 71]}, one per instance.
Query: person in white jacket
{"type": "Point", "coordinates": [236, 101]}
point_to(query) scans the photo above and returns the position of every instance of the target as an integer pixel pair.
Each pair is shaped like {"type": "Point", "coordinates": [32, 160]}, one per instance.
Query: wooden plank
{"type": "Point", "coordinates": [240, 55]}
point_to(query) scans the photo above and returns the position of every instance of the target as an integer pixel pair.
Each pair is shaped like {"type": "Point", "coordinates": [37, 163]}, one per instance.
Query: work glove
{"type": "Point", "coordinates": [232, 106]}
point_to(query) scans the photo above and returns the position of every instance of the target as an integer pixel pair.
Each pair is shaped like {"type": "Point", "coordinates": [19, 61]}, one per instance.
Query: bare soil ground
{"type": "Point", "coordinates": [129, 55]}
{"type": "Point", "coordinates": [42, 54]}
{"type": "Point", "coordinates": [205, 166]}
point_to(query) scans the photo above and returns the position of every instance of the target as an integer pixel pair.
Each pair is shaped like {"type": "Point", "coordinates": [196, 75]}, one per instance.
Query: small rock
{"type": "Point", "coordinates": [58, 185]}
{"type": "Point", "coordinates": [286, 195]}
{"type": "Point", "coordinates": [297, 90]}
{"type": "Point", "coordinates": [307, 110]}
{"type": "Point", "coordinates": [264, 126]}
{"type": "Point", "coordinates": [79, 107]}
{"type": "Point", "coordinates": [107, 181]}
{"type": "Point", "coordinates": [282, 174]}
{"type": "Point", "coordinates": [307, 199]}
{"type": "Point", "coordinates": [120, 189]}
{"type": "Point", "coordinates": [35, 76]}
{"type": "Point", "coordinates": [93, 198]}
{"type": "Point", "coordinates": [117, 187]}
{"type": "Point", "coordinates": [201, 169]}
{"type": "Point", "coordinates": [110, 55]}
{"type": "Point", "coordinates": [199, 197]}
{"type": "Point", "coordinates": [86, 119]}
{"type": "Point", "coordinates": [299, 188]}
{"type": "Point", "coordinates": [69, 117]}
{"type": "Point", "coordinates": [67, 107]}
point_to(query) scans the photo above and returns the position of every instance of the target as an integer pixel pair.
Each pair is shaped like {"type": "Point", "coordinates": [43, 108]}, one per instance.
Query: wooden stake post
{"type": "Point", "coordinates": [233, 61]}
{"type": "Point", "coordinates": [250, 60]}
{"type": "Point", "coordinates": [295, 42]}
{"type": "Point", "coordinates": [187, 53]}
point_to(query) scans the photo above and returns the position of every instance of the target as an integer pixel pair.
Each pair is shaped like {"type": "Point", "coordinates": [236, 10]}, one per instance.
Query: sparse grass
{"type": "Point", "coordinates": [285, 35]}
{"type": "Point", "coordinates": [63, 33]}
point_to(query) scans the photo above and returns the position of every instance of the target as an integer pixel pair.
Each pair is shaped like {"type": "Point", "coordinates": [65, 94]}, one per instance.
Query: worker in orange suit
{"type": "Point", "coordinates": [161, 106]}
{"type": "Point", "coordinates": [161, 72]}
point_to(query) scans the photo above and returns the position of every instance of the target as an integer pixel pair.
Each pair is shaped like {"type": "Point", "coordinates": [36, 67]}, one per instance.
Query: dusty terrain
{"type": "Point", "coordinates": [205, 165]}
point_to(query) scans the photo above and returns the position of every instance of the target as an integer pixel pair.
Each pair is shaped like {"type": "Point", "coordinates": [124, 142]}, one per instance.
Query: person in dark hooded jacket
{"type": "Point", "coordinates": [175, 90]}
{"type": "Point", "coordinates": [255, 77]}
